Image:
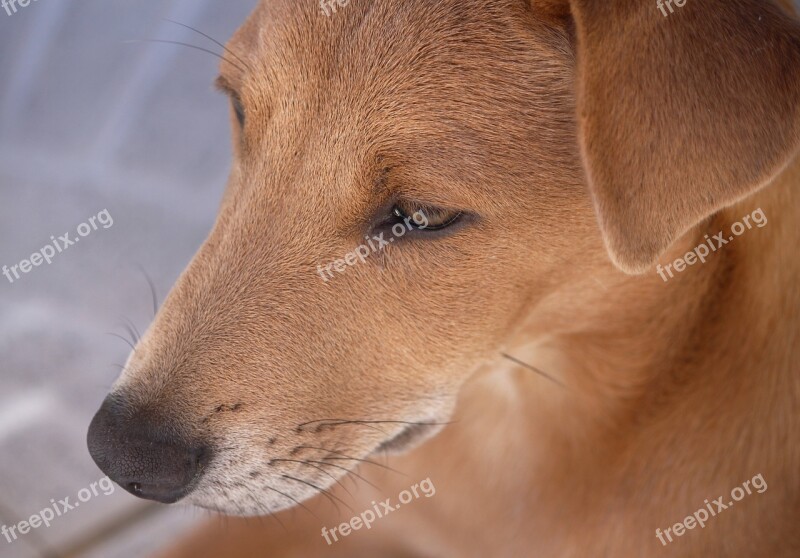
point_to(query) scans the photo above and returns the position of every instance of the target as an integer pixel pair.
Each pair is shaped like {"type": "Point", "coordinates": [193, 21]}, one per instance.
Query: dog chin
{"type": "Point", "coordinates": [244, 505]}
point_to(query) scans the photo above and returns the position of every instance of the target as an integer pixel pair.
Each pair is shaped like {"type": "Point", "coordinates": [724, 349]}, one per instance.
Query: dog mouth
{"type": "Point", "coordinates": [288, 481]}
{"type": "Point", "coordinates": [410, 437]}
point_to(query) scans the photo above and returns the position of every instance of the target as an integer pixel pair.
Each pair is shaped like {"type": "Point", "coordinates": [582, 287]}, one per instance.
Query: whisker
{"type": "Point", "coordinates": [349, 471]}
{"type": "Point", "coordinates": [130, 327]}
{"type": "Point", "coordinates": [349, 458]}
{"type": "Point", "coordinates": [529, 367]}
{"type": "Point", "coordinates": [212, 39]}
{"type": "Point", "coordinates": [322, 491]}
{"type": "Point", "coordinates": [333, 423]}
{"type": "Point", "coordinates": [152, 288]}
{"type": "Point", "coordinates": [308, 463]}
{"type": "Point", "coordinates": [240, 508]}
{"type": "Point", "coordinates": [223, 516]}
{"type": "Point", "coordinates": [215, 509]}
{"type": "Point", "coordinates": [124, 339]}
{"type": "Point", "coordinates": [269, 511]}
{"type": "Point", "coordinates": [370, 462]}
{"type": "Point", "coordinates": [189, 46]}
{"type": "Point", "coordinates": [248, 518]}
{"type": "Point", "coordinates": [345, 421]}
{"type": "Point", "coordinates": [293, 500]}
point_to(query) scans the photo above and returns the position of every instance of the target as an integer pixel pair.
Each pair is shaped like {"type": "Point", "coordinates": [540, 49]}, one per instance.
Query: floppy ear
{"type": "Point", "coordinates": [680, 114]}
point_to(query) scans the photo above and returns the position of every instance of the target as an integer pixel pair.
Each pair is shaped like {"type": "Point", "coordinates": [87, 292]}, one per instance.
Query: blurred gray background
{"type": "Point", "coordinates": [90, 122]}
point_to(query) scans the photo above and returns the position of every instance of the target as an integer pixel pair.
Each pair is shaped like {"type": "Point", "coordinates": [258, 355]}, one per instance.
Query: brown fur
{"type": "Point", "coordinates": [673, 393]}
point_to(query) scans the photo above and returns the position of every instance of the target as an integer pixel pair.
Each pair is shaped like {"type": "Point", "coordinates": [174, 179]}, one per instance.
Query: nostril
{"type": "Point", "coordinates": [198, 455]}
{"type": "Point", "coordinates": [173, 477]}
{"type": "Point", "coordinates": [143, 456]}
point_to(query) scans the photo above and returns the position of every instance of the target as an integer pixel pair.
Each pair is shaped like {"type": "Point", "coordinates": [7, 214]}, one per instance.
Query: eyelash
{"type": "Point", "coordinates": [238, 109]}
{"type": "Point", "coordinates": [428, 214]}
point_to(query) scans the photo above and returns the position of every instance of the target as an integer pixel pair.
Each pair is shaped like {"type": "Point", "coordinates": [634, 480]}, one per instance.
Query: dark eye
{"type": "Point", "coordinates": [238, 108]}
{"type": "Point", "coordinates": [425, 218]}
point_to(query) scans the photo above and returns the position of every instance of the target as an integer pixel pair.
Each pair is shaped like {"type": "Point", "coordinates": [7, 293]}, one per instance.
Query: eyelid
{"type": "Point", "coordinates": [426, 208]}
{"type": "Point", "coordinates": [225, 87]}
{"type": "Point", "coordinates": [238, 108]}
{"type": "Point", "coordinates": [223, 84]}
{"type": "Point", "coordinates": [451, 217]}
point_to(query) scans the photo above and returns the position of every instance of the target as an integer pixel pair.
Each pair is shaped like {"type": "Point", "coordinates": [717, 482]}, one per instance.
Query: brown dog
{"type": "Point", "coordinates": [567, 156]}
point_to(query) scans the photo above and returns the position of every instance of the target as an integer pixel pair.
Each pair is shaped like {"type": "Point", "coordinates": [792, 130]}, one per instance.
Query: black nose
{"type": "Point", "coordinates": [150, 460]}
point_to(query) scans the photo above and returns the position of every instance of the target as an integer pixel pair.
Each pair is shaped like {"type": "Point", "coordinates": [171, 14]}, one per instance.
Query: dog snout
{"type": "Point", "coordinates": [148, 458]}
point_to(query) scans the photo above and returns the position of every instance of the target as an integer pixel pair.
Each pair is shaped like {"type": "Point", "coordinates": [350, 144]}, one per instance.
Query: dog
{"type": "Point", "coordinates": [560, 151]}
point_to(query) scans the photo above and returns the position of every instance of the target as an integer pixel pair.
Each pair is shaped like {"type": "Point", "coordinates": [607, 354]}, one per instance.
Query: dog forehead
{"type": "Point", "coordinates": [372, 54]}
{"type": "Point", "coordinates": [368, 36]}
{"type": "Point", "coordinates": [428, 80]}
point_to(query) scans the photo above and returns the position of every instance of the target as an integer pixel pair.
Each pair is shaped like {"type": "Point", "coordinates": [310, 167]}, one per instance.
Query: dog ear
{"type": "Point", "coordinates": [684, 108]}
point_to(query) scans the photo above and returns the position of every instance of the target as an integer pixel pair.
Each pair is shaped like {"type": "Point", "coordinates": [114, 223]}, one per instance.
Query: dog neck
{"type": "Point", "coordinates": [639, 350]}
{"type": "Point", "coordinates": [695, 373]}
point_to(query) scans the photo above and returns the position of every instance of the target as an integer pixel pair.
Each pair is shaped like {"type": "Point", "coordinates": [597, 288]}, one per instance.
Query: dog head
{"type": "Point", "coordinates": [409, 178]}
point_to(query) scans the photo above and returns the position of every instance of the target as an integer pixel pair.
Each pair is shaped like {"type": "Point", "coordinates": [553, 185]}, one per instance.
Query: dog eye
{"type": "Point", "coordinates": [238, 108]}
{"type": "Point", "coordinates": [425, 218]}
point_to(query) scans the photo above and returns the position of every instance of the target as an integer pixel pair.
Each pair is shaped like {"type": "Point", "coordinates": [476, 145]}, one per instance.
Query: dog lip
{"type": "Point", "coordinates": [203, 461]}
{"type": "Point", "coordinates": [406, 437]}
